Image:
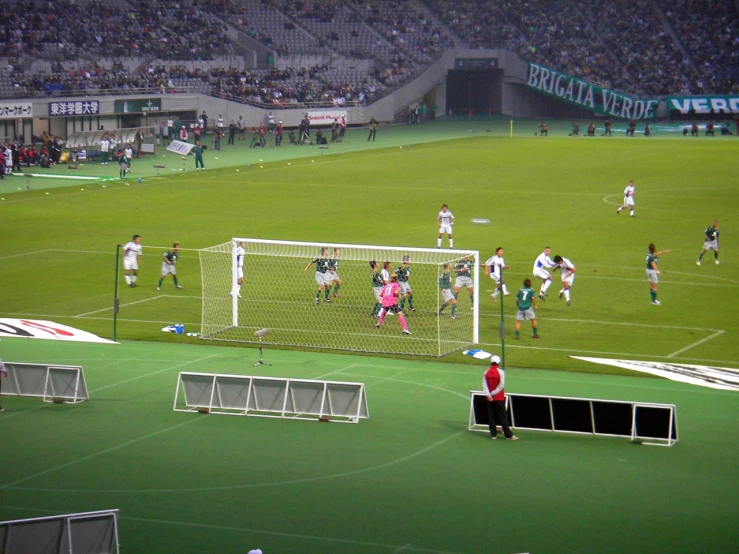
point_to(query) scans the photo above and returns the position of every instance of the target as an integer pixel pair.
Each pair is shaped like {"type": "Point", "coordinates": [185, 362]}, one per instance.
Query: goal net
{"type": "Point", "coordinates": [280, 291]}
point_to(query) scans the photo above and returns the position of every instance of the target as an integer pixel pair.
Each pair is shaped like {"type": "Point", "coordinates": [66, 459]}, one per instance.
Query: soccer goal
{"type": "Point", "coordinates": [280, 291]}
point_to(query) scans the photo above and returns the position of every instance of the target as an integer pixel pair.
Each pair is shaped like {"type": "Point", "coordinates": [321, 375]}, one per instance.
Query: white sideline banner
{"type": "Point", "coordinates": [41, 329]}
{"type": "Point", "coordinates": [179, 147]}
{"type": "Point", "coordinates": [722, 378]}
{"type": "Point", "coordinates": [271, 397]}
{"type": "Point", "coordinates": [326, 117]}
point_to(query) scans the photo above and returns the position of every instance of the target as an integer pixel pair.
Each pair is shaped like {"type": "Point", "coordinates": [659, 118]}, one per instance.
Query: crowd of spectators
{"type": "Point", "coordinates": [709, 30]}
{"type": "Point", "coordinates": [68, 30]}
{"type": "Point", "coordinates": [629, 46]}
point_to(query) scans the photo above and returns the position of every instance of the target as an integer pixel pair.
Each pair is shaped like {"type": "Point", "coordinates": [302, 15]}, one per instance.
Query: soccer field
{"type": "Point", "coordinates": [58, 260]}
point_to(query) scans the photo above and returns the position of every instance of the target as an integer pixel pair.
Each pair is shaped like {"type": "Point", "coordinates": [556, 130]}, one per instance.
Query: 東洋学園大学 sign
{"type": "Point", "coordinates": [588, 95]}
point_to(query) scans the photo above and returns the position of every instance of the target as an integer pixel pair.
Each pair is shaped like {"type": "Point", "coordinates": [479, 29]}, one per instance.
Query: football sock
{"type": "Point", "coordinates": [128, 280]}
{"type": "Point", "coordinates": [700, 256]}
{"type": "Point", "coordinates": [451, 243]}
{"type": "Point", "coordinates": [318, 294]}
{"type": "Point", "coordinates": [375, 310]}
{"type": "Point", "coordinates": [441, 309]}
{"type": "Point", "coordinates": [653, 294]}
{"type": "Point", "coordinates": [454, 309]}
{"type": "Point", "coordinates": [505, 290]}
{"type": "Point", "coordinates": [403, 322]}
{"type": "Point", "coordinates": [621, 208]}
{"type": "Point", "coordinates": [161, 280]}
{"type": "Point", "coordinates": [632, 212]}
{"type": "Point", "coordinates": [472, 299]}
{"type": "Point", "coordinates": [438, 243]}
{"type": "Point", "coordinates": [715, 254]}
{"type": "Point", "coordinates": [567, 295]}
{"type": "Point", "coordinates": [336, 288]}
{"type": "Point", "coordinates": [518, 333]}
{"type": "Point", "coordinates": [545, 286]}
{"type": "Point", "coordinates": [496, 293]}
{"type": "Point", "coordinates": [175, 280]}
{"type": "Point", "coordinates": [536, 332]}
{"type": "Point", "coordinates": [410, 298]}
{"type": "Point", "coordinates": [402, 303]}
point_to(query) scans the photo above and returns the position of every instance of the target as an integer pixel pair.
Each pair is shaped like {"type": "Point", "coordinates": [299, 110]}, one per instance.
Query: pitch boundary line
{"type": "Point", "coordinates": [716, 334]}
{"type": "Point", "coordinates": [624, 323]}
{"type": "Point", "coordinates": [111, 307]}
{"type": "Point", "coordinates": [733, 285]}
{"type": "Point", "coordinates": [25, 254]}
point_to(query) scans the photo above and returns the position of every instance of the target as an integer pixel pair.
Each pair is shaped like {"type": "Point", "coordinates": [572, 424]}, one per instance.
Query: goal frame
{"type": "Point", "coordinates": [400, 250]}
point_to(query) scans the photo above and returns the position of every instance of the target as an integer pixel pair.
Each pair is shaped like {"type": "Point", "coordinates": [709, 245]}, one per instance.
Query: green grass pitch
{"type": "Point", "coordinates": [411, 478]}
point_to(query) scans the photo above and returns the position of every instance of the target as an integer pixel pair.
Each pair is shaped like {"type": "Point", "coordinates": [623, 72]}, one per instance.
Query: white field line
{"type": "Point", "coordinates": [336, 371]}
{"type": "Point", "coordinates": [624, 323]}
{"type": "Point", "coordinates": [716, 334]}
{"type": "Point", "coordinates": [25, 254]}
{"type": "Point", "coordinates": [111, 307]}
{"type": "Point", "coordinates": [25, 314]}
{"type": "Point", "coordinates": [605, 277]}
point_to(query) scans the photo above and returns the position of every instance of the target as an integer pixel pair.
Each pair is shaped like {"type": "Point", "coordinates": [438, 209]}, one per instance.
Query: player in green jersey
{"type": "Point", "coordinates": [168, 266]}
{"type": "Point", "coordinates": [323, 277]}
{"type": "Point", "coordinates": [404, 276]}
{"type": "Point", "coordinates": [653, 272]}
{"type": "Point", "coordinates": [197, 151]}
{"type": "Point", "coordinates": [462, 269]}
{"type": "Point", "coordinates": [445, 287]}
{"type": "Point", "coordinates": [526, 304]}
{"type": "Point", "coordinates": [333, 267]}
{"type": "Point", "coordinates": [711, 242]}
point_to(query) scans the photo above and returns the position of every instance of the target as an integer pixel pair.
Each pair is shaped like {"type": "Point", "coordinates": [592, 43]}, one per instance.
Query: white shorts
{"type": "Point", "coordinates": [378, 292]}
{"type": "Point", "coordinates": [333, 277]}
{"type": "Point", "coordinates": [711, 245]}
{"type": "Point", "coordinates": [323, 279]}
{"type": "Point", "coordinates": [495, 277]}
{"type": "Point", "coordinates": [463, 282]}
{"type": "Point", "coordinates": [240, 272]}
{"type": "Point", "coordinates": [447, 295]}
{"type": "Point", "coordinates": [628, 200]}
{"type": "Point", "coordinates": [130, 264]}
{"type": "Point", "coordinates": [405, 287]}
{"type": "Point", "coordinates": [568, 278]}
{"type": "Point", "coordinates": [525, 314]}
{"type": "Point", "coordinates": [168, 269]}
{"type": "Point", "coordinates": [541, 273]}
{"type": "Point", "coordinates": [652, 276]}
{"type": "Point", "coordinates": [445, 229]}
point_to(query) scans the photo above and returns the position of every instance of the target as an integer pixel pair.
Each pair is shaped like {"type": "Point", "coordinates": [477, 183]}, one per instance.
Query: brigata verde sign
{"type": "Point", "coordinates": [690, 105]}
{"type": "Point", "coordinates": [588, 95]}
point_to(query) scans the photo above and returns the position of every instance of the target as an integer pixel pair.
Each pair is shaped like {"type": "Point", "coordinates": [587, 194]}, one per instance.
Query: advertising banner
{"type": "Point", "coordinates": [179, 147]}
{"type": "Point", "coordinates": [15, 110]}
{"type": "Point", "coordinates": [41, 329]}
{"type": "Point", "coordinates": [589, 96]}
{"type": "Point", "coordinates": [77, 107]}
{"type": "Point", "coordinates": [691, 105]}
{"type": "Point", "coordinates": [139, 105]}
{"type": "Point", "coordinates": [325, 117]}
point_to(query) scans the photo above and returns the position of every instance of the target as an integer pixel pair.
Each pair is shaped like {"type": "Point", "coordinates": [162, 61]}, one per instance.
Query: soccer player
{"type": "Point", "coordinates": [387, 269]}
{"type": "Point", "coordinates": [446, 222]}
{"type": "Point", "coordinates": [122, 165]}
{"type": "Point", "coordinates": [494, 267]}
{"type": "Point", "coordinates": [104, 150]}
{"type": "Point", "coordinates": [567, 271]}
{"type": "Point", "coordinates": [462, 269]}
{"type": "Point", "coordinates": [197, 151]}
{"type": "Point", "coordinates": [629, 193]}
{"type": "Point", "coordinates": [445, 286]}
{"type": "Point", "coordinates": [333, 267]}
{"type": "Point", "coordinates": [711, 242]}
{"type": "Point", "coordinates": [240, 255]}
{"type": "Point", "coordinates": [377, 285]}
{"type": "Point", "coordinates": [168, 266]}
{"type": "Point", "coordinates": [653, 272]}
{"type": "Point", "coordinates": [542, 263]}
{"type": "Point", "coordinates": [322, 275]}
{"type": "Point", "coordinates": [404, 276]}
{"type": "Point", "coordinates": [389, 296]}
{"type": "Point", "coordinates": [526, 304]}
{"type": "Point", "coordinates": [131, 259]}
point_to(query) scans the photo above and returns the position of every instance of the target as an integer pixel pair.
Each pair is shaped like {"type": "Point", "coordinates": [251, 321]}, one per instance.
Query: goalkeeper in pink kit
{"type": "Point", "coordinates": [389, 297]}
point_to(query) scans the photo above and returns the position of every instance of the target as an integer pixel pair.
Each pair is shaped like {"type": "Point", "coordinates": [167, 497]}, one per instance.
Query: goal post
{"type": "Point", "coordinates": [281, 291]}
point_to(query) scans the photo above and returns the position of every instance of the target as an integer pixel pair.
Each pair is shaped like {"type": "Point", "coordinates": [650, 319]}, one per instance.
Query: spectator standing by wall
{"type": "Point", "coordinates": [372, 130]}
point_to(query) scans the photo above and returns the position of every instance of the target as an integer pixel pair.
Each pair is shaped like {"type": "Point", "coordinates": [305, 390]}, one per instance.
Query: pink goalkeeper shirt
{"type": "Point", "coordinates": [388, 295]}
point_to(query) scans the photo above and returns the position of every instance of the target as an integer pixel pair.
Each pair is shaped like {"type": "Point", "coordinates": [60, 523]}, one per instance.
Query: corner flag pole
{"type": "Point", "coordinates": [511, 128]}
{"type": "Point", "coordinates": [115, 290]}
{"type": "Point", "coordinates": [502, 323]}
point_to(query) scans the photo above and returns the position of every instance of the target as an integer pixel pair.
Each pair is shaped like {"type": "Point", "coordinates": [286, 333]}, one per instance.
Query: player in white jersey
{"type": "Point", "coordinates": [567, 270]}
{"type": "Point", "coordinates": [541, 265]}
{"type": "Point", "coordinates": [446, 222]}
{"type": "Point", "coordinates": [104, 150]}
{"type": "Point", "coordinates": [629, 193]}
{"type": "Point", "coordinates": [494, 267]}
{"type": "Point", "coordinates": [387, 270]}
{"type": "Point", "coordinates": [240, 255]}
{"type": "Point", "coordinates": [131, 258]}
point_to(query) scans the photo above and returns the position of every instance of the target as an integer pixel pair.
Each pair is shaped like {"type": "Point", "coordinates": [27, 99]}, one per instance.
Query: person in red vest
{"type": "Point", "coordinates": [493, 382]}
{"type": "Point", "coordinates": [183, 134]}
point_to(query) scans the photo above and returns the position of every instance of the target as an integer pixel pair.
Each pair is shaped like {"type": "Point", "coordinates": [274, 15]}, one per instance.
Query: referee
{"type": "Point", "coordinates": [492, 383]}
